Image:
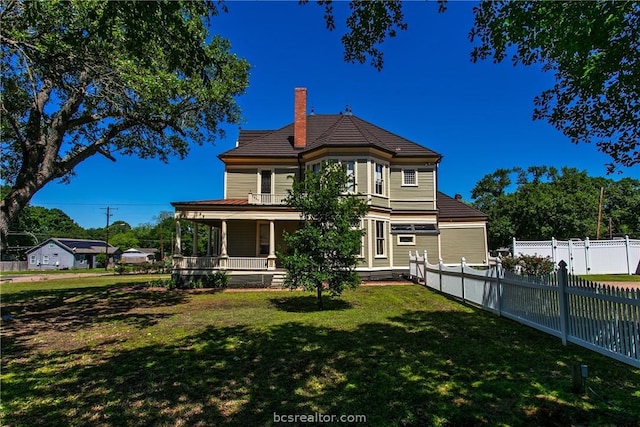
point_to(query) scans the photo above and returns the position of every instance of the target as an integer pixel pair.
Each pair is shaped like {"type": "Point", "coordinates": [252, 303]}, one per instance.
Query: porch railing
{"type": "Point", "coordinates": [197, 262]}
{"type": "Point", "coordinates": [266, 199]}
{"type": "Point", "coordinates": [246, 263]}
{"type": "Point", "coordinates": [213, 263]}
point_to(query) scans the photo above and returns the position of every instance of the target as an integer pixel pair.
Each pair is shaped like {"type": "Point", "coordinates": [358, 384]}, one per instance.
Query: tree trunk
{"type": "Point", "coordinates": [319, 288]}
{"type": "Point", "coordinates": [10, 208]}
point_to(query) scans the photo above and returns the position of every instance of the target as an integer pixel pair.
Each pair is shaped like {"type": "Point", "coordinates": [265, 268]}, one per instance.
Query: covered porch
{"type": "Point", "coordinates": [240, 241]}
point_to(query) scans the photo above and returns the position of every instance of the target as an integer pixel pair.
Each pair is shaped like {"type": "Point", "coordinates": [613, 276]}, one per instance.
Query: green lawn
{"type": "Point", "coordinates": [611, 277]}
{"type": "Point", "coordinates": [112, 354]}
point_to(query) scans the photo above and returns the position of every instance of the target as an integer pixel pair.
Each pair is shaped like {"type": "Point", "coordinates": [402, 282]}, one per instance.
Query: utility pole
{"type": "Point", "coordinates": [106, 247]}
{"type": "Point", "coordinates": [161, 244]}
{"type": "Point", "coordinates": [599, 212]}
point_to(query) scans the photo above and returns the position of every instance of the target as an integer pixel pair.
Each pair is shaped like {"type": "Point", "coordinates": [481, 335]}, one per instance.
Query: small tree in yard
{"type": "Point", "coordinates": [324, 250]}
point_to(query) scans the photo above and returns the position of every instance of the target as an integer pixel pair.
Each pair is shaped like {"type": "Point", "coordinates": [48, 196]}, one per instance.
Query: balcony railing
{"type": "Point", "coordinates": [267, 199]}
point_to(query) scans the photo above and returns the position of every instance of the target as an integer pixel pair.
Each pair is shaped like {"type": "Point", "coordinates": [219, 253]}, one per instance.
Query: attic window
{"type": "Point", "coordinates": [409, 178]}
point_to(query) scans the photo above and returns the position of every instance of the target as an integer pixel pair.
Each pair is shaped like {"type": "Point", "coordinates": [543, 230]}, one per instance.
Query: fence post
{"type": "Point", "coordinates": [515, 253]}
{"type": "Point", "coordinates": [462, 264]}
{"type": "Point", "coordinates": [440, 262]}
{"type": "Point", "coordinates": [499, 285]}
{"type": "Point", "coordinates": [626, 246]}
{"type": "Point", "coordinates": [424, 266]}
{"type": "Point", "coordinates": [571, 255]}
{"type": "Point", "coordinates": [587, 255]}
{"type": "Point", "coordinates": [554, 252]}
{"type": "Point", "coordinates": [562, 300]}
{"type": "Point", "coordinates": [410, 262]}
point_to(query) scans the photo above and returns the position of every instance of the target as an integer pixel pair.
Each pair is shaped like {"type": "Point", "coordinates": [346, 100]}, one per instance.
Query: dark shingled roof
{"type": "Point", "coordinates": [334, 130]}
{"type": "Point", "coordinates": [217, 202]}
{"type": "Point", "coordinates": [450, 208]}
{"type": "Point", "coordinates": [79, 246]}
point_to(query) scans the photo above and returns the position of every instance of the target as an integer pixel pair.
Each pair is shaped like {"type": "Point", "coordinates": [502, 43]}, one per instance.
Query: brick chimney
{"type": "Point", "coordinates": [300, 118]}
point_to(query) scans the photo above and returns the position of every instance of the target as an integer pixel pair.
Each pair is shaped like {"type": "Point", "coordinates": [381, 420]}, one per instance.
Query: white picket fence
{"type": "Point", "coordinates": [601, 318]}
{"type": "Point", "coordinates": [621, 256]}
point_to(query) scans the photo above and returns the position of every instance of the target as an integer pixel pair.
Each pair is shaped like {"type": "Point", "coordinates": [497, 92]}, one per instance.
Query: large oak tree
{"type": "Point", "coordinates": [81, 78]}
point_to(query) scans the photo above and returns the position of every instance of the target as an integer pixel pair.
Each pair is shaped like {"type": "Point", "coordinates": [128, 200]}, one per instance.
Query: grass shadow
{"type": "Point", "coordinates": [74, 309]}
{"type": "Point", "coordinates": [308, 304]}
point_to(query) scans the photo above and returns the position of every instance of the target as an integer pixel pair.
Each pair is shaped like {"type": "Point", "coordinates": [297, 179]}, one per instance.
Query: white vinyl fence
{"type": "Point", "coordinates": [601, 318]}
{"type": "Point", "coordinates": [621, 256]}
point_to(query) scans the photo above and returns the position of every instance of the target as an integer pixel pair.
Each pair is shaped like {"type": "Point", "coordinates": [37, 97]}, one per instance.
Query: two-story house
{"type": "Point", "coordinates": [397, 177]}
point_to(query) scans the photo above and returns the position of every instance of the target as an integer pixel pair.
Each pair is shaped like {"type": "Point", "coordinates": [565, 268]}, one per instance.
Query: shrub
{"type": "Point", "coordinates": [529, 265]}
{"type": "Point", "coordinates": [163, 283]}
{"type": "Point", "coordinates": [217, 280]}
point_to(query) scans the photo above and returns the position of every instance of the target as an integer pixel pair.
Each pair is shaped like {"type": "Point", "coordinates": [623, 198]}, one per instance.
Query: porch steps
{"type": "Point", "coordinates": [278, 279]}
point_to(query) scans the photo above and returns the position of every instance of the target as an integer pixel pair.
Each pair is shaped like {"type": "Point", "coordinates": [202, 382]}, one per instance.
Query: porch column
{"type": "Point", "coordinates": [223, 250]}
{"type": "Point", "coordinates": [209, 241]}
{"type": "Point", "coordinates": [194, 241]}
{"type": "Point", "coordinates": [271, 259]}
{"type": "Point", "coordinates": [178, 242]}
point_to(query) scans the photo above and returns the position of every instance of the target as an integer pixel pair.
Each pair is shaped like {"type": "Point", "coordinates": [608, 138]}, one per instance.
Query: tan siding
{"type": "Point", "coordinates": [423, 191]}
{"type": "Point", "coordinates": [241, 182]}
{"type": "Point", "coordinates": [379, 201]}
{"type": "Point", "coordinates": [241, 240]}
{"type": "Point", "coordinates": [381, 262]}
{"type": "Point", "coordinates": [463, 242]}
{"type": "Point", "coordinates": [282, 181]}
{"type": "Point", "coordinates": [401, 252]}
{"type": "Point", "coordinates": [361, 176]}
{"type": "Point", "coordinates": [415, 205]}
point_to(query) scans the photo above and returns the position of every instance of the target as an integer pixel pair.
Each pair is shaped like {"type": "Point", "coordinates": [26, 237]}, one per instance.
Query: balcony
{"type": "Point", "coordinates": [267, 199]}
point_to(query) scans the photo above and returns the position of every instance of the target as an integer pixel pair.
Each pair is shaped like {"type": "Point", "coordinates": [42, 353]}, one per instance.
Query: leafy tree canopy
{"type": "Point", "coordinates": [324, 250]}
{"type": "Point", "coordinates": [104, 77]}
{"type": "Point", "coordinates": [540, 203]}
{"type": "Point", "coordinates": [593, 49]}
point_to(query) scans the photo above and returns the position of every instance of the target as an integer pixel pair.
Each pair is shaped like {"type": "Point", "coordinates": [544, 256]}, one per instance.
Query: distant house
{"type": "Point", "coordinates": [60, 253]}
{"type": "Point", "coordinates": [140, 255]}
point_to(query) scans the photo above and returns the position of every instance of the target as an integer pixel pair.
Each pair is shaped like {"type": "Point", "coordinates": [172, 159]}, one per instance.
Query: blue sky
{"type": "Point", "coordinates": [478, 116]}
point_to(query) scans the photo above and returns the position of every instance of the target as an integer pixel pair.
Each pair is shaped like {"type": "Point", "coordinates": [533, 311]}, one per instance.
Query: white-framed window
{"type": "Point", "coordinates": [51, 245]}
{"type": "Point", "coordinates": [351, 173]}
{"type": "Point", "coordinates": [32, 259]}
{"type": "Point", "coordinates": [266, 181]}
{"type": "Point", "coordinates": [45, 259]}
{"type": "Point", "coordinates": [409, 177]}
{"type": "Point", "coordinates": [381, 244]}
{"type": "Point", "coordinates": [406, 239]}
{"type": "Point", "coordinates": [379, 181]}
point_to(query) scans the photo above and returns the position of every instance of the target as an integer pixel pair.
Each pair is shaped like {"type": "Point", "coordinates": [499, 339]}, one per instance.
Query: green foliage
{"type": "Point", "coordinates": [593, 48]}
{"type": "Point", "coordinates": [163, 283]}
{"type": "Point", "coordinates": [529, 265]}
{"type": "Point", "coordinates": [123, 240]}
{"type": "Point", "coordinates": [541, 203]}
{"type": "Point", "coordinates": [218, 279]}
{"type": "Point", "coordinates": [101, 259]}
{"type": "Point", "coordinates": [323, 252]}
{"type": "Point", "coordinates": [367, 27]}
{"type": "Point", "coordinates": [111, 78]}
